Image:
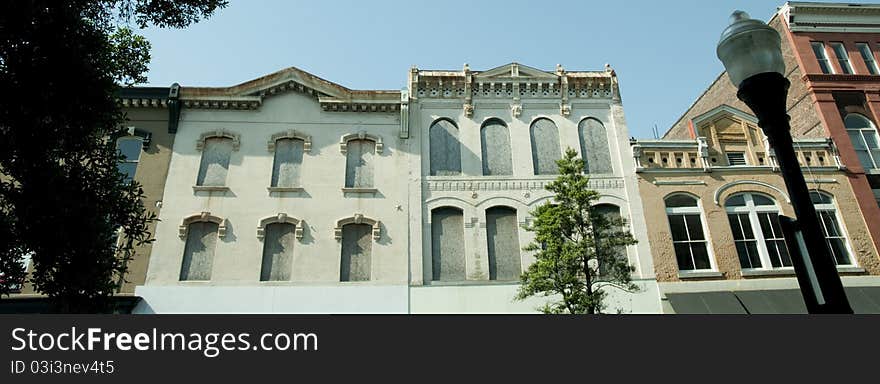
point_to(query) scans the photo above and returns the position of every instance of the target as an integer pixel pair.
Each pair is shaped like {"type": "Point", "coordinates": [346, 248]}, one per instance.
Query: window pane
{"type": "Point", "coordinates": [838, 248]}
{"type": "Point", "coordinates": [842, 57]}
{"type": "Point", "coordinates": [127, 169]}
{"type": "Point", "coordinates": [855, 120]}
{"type": "Point", "coordinates": [695, 227]}
{"type": "Point", "coordinates": [868, 56]}
{"type": "Point", "coordinates": [215, 161]}
{"type": "Point", "coordinates": [278, 252]}
{"type": "Point", "coordinates": [855, 137]}
{"type": "Point", "coordinates": [683, 256]}
{"type": "Point", "coordinates": [678, 201]}
{"type": "Point", "coordinates": [819, 51]}
{"type": "Point", "coordinates": [746, 225]}
{"type": "Point", "coordinates": [761, 200]}
{"type": "Point", "coordinates": [701, 256]}
{"type": "Point", "coordinates": [736, 201]}
{"type": "Point", "coordinates": [288, 162]}
{"type": "Point", "coordinates": [829, 222]}
{"type": "Point", "coordinates": [819, 198]}
{"type": "Point", "coordinates": [870, 139]}
{"type": "Point", "coordinates": [130, 148]}
{"type": "Point", "coordinates": [735, 227]}
{"type": "Point", "coordinates": [676, 225]}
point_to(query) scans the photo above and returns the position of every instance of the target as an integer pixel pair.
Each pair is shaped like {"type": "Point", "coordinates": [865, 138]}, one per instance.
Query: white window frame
{"type": "Point", "coordinates": [698, 210]}
{"type": "Point", "coordinates": [843, 60]}
{"type": "Point", "coordinates": [136, 162]}
{"type": "Point", "coordinates": [753, 210]}
{"type": "Point", "coordinates": [862, 131]}
{"type": "Point", "coordinates": [832, 207]}
{"type": "Point", "coordinates": [868, 58]}
{"type": "Point", "coordinates": [824, 59]}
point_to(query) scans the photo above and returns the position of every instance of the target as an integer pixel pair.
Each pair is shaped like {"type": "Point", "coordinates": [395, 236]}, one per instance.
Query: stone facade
{"type": "Point", "coordinates": [396, 201]}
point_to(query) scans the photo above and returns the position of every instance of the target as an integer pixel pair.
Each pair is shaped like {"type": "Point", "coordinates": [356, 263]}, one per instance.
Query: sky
{"type": "Point", "coordinates": [663, 51]}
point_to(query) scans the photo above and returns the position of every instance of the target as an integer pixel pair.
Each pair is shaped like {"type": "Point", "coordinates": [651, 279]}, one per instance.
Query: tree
{"type": "Point", "coordinates": [62, 198]}
{"type": "Point", "coordinates": [578, 247]}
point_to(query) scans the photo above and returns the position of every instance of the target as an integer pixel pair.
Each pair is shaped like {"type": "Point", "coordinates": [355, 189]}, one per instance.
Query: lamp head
{"type": "Point", "coordinates": [749, 47]}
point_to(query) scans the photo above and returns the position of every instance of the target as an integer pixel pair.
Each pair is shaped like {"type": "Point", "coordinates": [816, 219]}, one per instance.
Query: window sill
{"type": "Point", "coordinates": [451, 283]}
{"type": "Point", "coordinates": [850, 269]}
{"type": "Point", "coordinates": [210, 188]}
{"type": "Point", "coordinates": [787, 271]}
{"type": "Point", "coordinates": [285, 189]}
{"type": "Point", "coordinates": [698, 274]}
{"type": "Point", "coordinates": [359, 190]}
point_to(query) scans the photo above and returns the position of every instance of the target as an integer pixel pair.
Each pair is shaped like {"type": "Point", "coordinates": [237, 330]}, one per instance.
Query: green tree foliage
{"type": "Point", "coordinates": [62, 199]}
{"type": "Point", "coordinates": [579, 249]}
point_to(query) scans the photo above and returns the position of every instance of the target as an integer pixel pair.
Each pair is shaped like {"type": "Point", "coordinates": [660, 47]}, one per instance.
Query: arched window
{"type": "Point", "coordinates": [863, 136]}
{"type": "Point", "coordinates": [287, 165]}
{"type": "Point", "coordinates": [594, 146]}
{"type": "Point", "coordinates": [545, 147]}
{"type": "Point", "coordinates": [130, 147]}
{"type": "Point", "coordinates": [215, 161]}
{"type": "Point", "coordinates": [357, 248]}
{"type": "Point", "coordinates": [278, 252]}
{"type": "Point", "coordinates": [502, 233]}
{"type": "Point", "coordinates": [447, 244]}
{"type": "Point", "coordinates": [445, 148]}
{"type": "Point", "coordinates": [754, 220]}
{"type": "Point", "coordinates": [688, 237]}
{"type": "Point", "coordinates": [834, 234]}
{"type": "Point", "coordinates": [359, 164]}
{"type": "Point", "coordinates": [495, 148]}
{"type": "Point", "coordinates": [198, 254]}
{"type": "Point", "coordinates": [612, 213]}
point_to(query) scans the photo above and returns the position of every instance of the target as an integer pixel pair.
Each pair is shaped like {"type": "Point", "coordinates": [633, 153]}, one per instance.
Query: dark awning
{"type": "Point", "coordinates": [864, 300]}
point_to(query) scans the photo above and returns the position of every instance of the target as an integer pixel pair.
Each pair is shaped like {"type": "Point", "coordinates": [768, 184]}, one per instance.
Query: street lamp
{"type": "Point", "coordinates": [751, 53]}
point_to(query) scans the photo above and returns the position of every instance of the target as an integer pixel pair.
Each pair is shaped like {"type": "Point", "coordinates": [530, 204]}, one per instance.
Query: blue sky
{"type": "Point", "coordinates": [663, 51]}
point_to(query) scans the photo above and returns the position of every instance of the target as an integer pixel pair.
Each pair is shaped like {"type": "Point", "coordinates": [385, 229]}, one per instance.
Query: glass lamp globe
{"type": "Point", "coordinates": [749, 47]}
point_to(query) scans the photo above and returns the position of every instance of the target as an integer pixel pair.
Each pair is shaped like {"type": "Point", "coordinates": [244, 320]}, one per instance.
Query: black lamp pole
{"type": "Point", "coordinates": [751, 53]}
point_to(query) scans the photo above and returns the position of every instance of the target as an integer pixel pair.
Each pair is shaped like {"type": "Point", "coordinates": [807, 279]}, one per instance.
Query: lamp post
{"type": "Point", "coordinates": [751, 53]}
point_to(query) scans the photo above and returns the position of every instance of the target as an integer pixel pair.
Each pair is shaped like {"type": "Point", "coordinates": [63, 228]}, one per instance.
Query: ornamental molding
{"type": "Point", "coordinates": [183, 229]}
{"type": "Point", "coordinates": [236, 138]}
{"type": "Point", "coordinates": [343, 141]}
{"type": "Point", "coordinates": [281, 218]}
{"type": "Point", "coordinates": [290, 134]}
{"type": "Point", "coordinates": [717, 196]}
{"type": "Point", "coordinates": [474, 185]}
{"type": "Point", "coordinates": [358, 218]}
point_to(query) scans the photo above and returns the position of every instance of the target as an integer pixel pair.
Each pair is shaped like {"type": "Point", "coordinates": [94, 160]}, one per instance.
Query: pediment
{"type": "Point", "coordinates": [515, 70]}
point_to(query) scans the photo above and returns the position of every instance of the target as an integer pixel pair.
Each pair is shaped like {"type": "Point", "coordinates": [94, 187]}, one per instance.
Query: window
{"type": "Point", "coordinates": [359, 164]}
{"type": "Point", "coordinates": [842, 57]}
{"type": "Point", "coordinates": [754, 221]}
{"type": "Point", "coordinates": [287, 165]}
{"type": "Point", "coordinates": [868, 56]}
{"type": "Point", "coordinates": [278, 252]}
{"type": "Point", "coordinates": [822, 57]}
{"type": "Point", "coordinates": [688, 237]}
{"type": "Point", "coordinates": [545, 147]}
{"type": "Point", "coordinates": [736, 159]}
{"type": "Point", "coordinates": [357, 248]}
{"type": "Point", "coordinates": [834, 236]}
{"type": "Point", "coordinates": [130, 147]}
{"type": "Point", "coordinates": [594, 146]}
{"type": "Point", "coordinates": [503, 240]}
{"type": "Point", "coordinates": [198, 255]}
{"type": "Point", "coordinates": [495, 148]}
{"type": "Point", "coordinates": [612, 213]}
{"type": "Point", "coordinates": [447, 244]}
{"type": "Point", "coordinates": [445, 149]}
{"type": "Point", "coordinates": [215, 161]}
{"type": "Point", "coordinates": [864, 139]}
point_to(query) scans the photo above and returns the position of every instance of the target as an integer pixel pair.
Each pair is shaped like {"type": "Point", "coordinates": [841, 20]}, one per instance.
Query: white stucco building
{"type": "Point", "coordinates": [293, 194]}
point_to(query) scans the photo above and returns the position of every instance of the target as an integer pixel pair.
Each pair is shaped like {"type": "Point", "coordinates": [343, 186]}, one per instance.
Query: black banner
{"type": "Point", "coordinates": [246, 348]}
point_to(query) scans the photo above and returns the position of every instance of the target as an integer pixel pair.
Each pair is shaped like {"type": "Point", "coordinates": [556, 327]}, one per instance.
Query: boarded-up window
{"type": "Point", "coordinates": [359, 164]}
{"type": "Point", "coordinates": [445, 149]}
{"type": "Point", "coordinates": [215, 161]}
{"type": "Point", "coordinates": [612, 213]}
{"type": "Point", "coordinates": [278, 252]}
{"type": "Point", "coordinates": [357, 246]}
{"type": "Point", "coordinates": [503, 239]}
{"type": "Point", "coordinates": [545, 147]}
{"type": "Point", "coordinates": [198, 255]}
{"type": "Point", "coordinates": [495, 149]}
{"type": "Point", "coordinates": [447, 244]}
{"type": "Point", "coordinates": [594, 146]}
{"type": "Point", "coordinates": [288, 161]}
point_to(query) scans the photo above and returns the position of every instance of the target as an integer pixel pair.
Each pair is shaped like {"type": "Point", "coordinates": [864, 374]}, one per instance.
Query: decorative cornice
{"type": "Point", "coordinates": [473, 184]}
{"type": "Point", "coordinates": [202, 217]}
{"type": "Point", "coordinates": [283, 219]}
{"type": "Point", "coordinates": [358, 218]}
{"type": "Point", "coordinates": [343, 141]}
